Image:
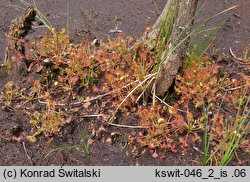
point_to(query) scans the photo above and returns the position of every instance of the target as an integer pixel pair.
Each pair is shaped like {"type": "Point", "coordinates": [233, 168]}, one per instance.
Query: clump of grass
{"type": "Point", "coordinates": [164, 34]}
{"type": "Point", "coordinates": [165, 48]}
{"type": "Point", "coordinates": [233, 135]}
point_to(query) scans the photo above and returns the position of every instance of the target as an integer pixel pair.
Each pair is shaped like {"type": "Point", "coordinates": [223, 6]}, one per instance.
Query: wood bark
{"type": "Point", "coordinates": [15, 50]}
{"type": "Point", "coordinates": [181, 28]}
{"type": "Point", "coordinates": [150, 38]}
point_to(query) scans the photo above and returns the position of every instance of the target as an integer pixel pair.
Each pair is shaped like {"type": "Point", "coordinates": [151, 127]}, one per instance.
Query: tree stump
{"type": "Point", "coordinates": [181, 28]}
{"type": "Point", "coordinates": [15, 50]}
